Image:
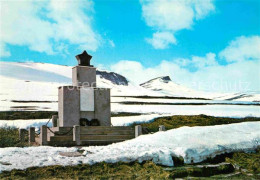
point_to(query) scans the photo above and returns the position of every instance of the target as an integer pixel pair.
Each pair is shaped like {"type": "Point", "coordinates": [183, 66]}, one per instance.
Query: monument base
{"type": "Point", "coordinates": [77, 103]}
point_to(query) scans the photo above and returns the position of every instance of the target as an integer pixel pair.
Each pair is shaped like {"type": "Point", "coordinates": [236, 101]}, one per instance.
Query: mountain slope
{"type": "Point", "coordinates": [40, 82]}
{"type": "Point", "coordinates": [113, 77]}
{"type": "Point", "coordinates": [252, 96]}
{"type": "Point", "coordinates": [169, 88]}
{"type": "Point", "coordinates": [33, 86]}
{"type": "Point", "coordinates": [42, 72]}
{"type": "Point", "coordinates": [166, 86]}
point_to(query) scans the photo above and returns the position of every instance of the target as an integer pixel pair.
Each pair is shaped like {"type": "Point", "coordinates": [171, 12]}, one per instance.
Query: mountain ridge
{"type": "Point", "coordinates": [165, 79]}
{"type": "Point", "coordinates": [46, 74]}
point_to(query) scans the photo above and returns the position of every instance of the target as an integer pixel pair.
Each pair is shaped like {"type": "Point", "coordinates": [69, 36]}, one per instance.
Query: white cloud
{"type": "Point", "coordinates": [243, 75]}
{"type": "Point", "coordinates": [240, 76]}
{"type": "Point", "coordinates": [174, 15]}
{"type": "Point", "coordinates": [45, 25]}
{"type": "Point", "coordinates": [203, 8]}
{"type": "Point", "coordinates": [241, 49]}
{"type": "Point", "coordinates": [237, 77]}
{"type": "Point", "coordinates": [131, 69]}
{"type": "Point", "coordinates": [137, 73]}
{"type": "Point", "coordinates": [197, 61]}
{"type": "Point", "coordinates": [111, 42]}
{"type": "Point", "coordinates": [4, 52]}
{"type": "Point", "coordinates": [161, 40]}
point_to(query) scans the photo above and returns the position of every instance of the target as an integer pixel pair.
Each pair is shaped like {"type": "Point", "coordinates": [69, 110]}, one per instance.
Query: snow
{"type": "Point", "coordinates": [19, 90]}
{"type": "Point", "coordinates": [59, 75]}
{"type": "Point", "coordinates": [151, 112]}
{"type": "Point", "coordinates": [210, 110]}
{"type": "Point", "coordinates": [128, 120]}
{"type": "Point", "coordinates": [25, 124]}
{"type": "Point", "coordinates": [116, 121]}
{"type": "Point", "coordinates": [251, 96]}
{"type": "Point", "coordinates": [39, 82]}
{"type": "Point", "coordinates": [179, 101]}
{"type": "Point", "coordinates": [193, 144]}
{"type": "Point", "coordinates": [170, 88]}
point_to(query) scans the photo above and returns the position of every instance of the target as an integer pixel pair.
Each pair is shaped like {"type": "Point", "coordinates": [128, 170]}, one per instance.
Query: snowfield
{"type": "Point", "coordinates": [193, 144]}
{"type": "Point", "coordinates": [236, 111]}
{"type": "Point", "coordinates": [128, 120]}
{"type": "Point", "coordinates": [227, 111]}
{"type": "Point", "coordinates": [116, 121]}
{"type": "Point", "coordinates": [37, 83]}
{"type": "Point", "coordinates": [33, 87]}
{"type": "Point", "coordinates": [25, 124]}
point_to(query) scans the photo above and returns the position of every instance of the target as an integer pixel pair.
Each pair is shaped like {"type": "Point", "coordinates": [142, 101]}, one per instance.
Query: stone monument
{"type": "Point", "coordinates": [83, 103]}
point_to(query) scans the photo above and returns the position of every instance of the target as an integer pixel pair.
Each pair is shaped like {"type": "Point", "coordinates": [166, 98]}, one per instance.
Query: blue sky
{"type": "Point", "coordinates": [187, 37]}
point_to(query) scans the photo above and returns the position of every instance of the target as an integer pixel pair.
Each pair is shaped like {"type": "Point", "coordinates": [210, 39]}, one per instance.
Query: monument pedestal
{"type": "Point", "coordinates": [68, 106]}
{"type": "Point", "coordinates": [83, 102]}
{"type": "Point", "coordinates": [84, 76]}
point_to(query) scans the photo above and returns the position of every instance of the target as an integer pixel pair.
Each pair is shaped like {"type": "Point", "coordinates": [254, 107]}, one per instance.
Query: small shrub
{"type": "Point", "coordinates": [9, 137]}
{"type": "Point", "coordinates": [172, 122]}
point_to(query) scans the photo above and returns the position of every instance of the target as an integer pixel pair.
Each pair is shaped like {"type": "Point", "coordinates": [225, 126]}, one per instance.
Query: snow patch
{"type": "Point", "coordinates": [116, 121]}
{"type": "Point", "coordinates": [24, 124]}
{"type": "Point", "coordinates": [193, 144]}
{"type": "Point", "coordinates": [128, 120]}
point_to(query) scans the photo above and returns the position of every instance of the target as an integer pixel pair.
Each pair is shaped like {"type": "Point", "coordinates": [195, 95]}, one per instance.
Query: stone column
{"type": "Point", "coordinates": [84, 76]}
{"type": "Point", "coordinates": [43, 135]}
{"type": "Point", "coordinates": [55, 121]}
{"type": "Point", "coordinates": [69, 106]}
{"type": "Point", "coordinates": [76, 134]}
{"type": "Point", "coordinates": [22, 133]}
{"type": "Point", "coordinates": [32, 134]}
{"type": "Point", "coordinates": [138, 130]}
{"type": "Point", "coordinates": [162, 128]}
{"type": "Point", "coordinates": [102, 106]}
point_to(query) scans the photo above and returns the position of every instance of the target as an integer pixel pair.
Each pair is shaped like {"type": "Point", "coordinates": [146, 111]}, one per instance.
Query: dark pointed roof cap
{"type": "Point", "coordinates": [84, 59]}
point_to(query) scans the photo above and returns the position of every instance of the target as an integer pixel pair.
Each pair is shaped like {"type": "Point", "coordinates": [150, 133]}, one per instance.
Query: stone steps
{"type": "Point", "coordinates": [61, 138]}
{"type": "Point", "coordinates": [100, 142]}
{"type": "Point", "coordinates": [89, 135]}
{"type": "Point", "coordinates": [62, 143]}
{"type": "Point", "coordinates": [107, 132]}
{"type": "Point", "coordinates": [105, 137]}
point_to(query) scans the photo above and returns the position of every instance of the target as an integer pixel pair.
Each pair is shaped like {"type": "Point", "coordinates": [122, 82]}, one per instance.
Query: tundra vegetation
{"type": "Point", "coordinates": [238, 165]}
{"type": "Point", "coordinates": [172, 122]}
{"type": "Point", "coordinates": [13, 115]}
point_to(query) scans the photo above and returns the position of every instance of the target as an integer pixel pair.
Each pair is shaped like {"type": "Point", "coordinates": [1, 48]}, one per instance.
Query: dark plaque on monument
{"type": "Point", "coordinates": [84, 59]}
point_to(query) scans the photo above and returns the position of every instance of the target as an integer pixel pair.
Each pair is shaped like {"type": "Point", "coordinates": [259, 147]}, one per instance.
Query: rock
{"type": "Point", "coordinates": [202, 170]}
{"type": "Point", "coordinates": [113, 77]}
{"type": "Point", "coordinates": [5, 163]}
{"type": "Point", "coordinates": [70, 154]}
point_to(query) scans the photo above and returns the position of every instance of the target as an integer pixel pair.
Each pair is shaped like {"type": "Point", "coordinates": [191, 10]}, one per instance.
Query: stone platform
{"type": "Point", "coordinates": [85, 135]}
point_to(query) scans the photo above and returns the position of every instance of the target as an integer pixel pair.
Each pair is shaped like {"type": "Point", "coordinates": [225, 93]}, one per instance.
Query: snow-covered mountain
{"type": "Point", "coordinates": [253, 96]}
{"type": "Point", "coordinates": [43, 72]}
{"type": "Point", "coordinates": [113, 77]}
{"type": "Point", "coordinates": [39, 82]}
{"type": "Point", "coordinates": [12, 74]}
{"type": "Point", "coordinates": [167, 87]}
{"type": "Point", "coordinates": [33, 85]}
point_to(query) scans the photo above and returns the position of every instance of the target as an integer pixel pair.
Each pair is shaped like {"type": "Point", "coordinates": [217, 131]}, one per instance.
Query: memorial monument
{"type": "Point", "coordinates": [84, 116]}
{"type": "Point", "coordinates": [83, 103]}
